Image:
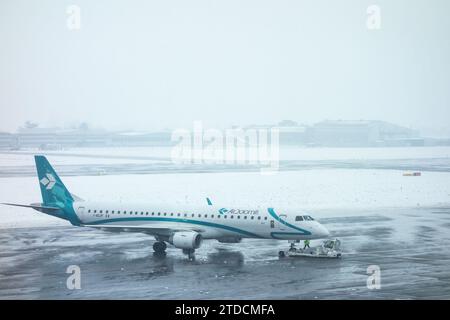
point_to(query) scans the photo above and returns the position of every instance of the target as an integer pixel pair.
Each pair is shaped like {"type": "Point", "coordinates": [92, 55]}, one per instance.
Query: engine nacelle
{"type": "Point", "coordinates": [186, 240]}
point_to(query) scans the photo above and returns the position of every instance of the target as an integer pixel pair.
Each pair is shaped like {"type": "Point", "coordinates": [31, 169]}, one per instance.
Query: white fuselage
{"type": "Point", "coordinates": [212, 222]}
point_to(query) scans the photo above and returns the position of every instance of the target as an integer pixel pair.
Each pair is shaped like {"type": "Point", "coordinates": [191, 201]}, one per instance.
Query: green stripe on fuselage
{"type": "Point", "coordinates": [197, 222]}
{"type": "Point", "coordinates": [276, 217]}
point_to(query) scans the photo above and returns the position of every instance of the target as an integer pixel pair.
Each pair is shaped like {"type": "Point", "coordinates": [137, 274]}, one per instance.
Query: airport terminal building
{"type": "Point", "coordinates": [328, 133]}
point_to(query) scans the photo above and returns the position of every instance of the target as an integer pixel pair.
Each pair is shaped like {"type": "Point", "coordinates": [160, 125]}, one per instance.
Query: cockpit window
{"type": "Point", "coordinates": [298, 218]}
{"type": "Point", "coordinates": [308, 218]}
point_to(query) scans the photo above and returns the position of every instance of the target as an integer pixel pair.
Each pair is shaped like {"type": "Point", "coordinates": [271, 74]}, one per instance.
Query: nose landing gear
{"type": "Point", "coordinates": [292, 247]}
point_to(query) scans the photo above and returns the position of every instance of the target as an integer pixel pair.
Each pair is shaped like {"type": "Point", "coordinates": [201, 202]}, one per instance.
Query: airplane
{"type": "Point", "coordinates": [183, 227]}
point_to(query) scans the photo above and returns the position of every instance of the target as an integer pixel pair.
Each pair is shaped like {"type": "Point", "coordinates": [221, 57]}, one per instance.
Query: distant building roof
{"type": "Point", "coordinates": [344, 122]}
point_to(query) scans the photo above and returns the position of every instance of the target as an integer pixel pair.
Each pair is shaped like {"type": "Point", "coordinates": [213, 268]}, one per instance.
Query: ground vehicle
{"type": "Point", "coordinates": [330, 248]}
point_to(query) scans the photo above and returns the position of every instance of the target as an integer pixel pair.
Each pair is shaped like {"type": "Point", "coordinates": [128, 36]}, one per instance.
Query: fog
{"type": "Point", "coordinates": [149, 65]}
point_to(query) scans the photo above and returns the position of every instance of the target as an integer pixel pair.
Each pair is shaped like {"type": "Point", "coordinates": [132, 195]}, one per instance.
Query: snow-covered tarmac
{"type": "Point", "coordinates": [383, 218]}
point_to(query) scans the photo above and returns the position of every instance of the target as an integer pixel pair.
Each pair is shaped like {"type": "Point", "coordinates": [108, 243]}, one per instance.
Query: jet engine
{"type": "Point", "coordinates": [186, 239]}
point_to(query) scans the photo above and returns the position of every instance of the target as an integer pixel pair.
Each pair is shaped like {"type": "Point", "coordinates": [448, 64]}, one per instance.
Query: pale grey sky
{"type": "Point", "coordinates": [153, 64]}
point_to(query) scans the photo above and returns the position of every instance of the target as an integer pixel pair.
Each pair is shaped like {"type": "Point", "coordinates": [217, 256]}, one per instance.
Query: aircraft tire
{"type": "Point", "coordinates": [159, 246]}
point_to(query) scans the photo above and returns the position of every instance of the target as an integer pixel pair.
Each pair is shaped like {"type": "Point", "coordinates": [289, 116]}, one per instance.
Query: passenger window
{"type": "Point", "coordinates": [101, 211]}
{"type": "Point", "coordinates": [231, 217]}
{"type": "Point", "coordinates": [193, 215]}
{"type": "Point", "coordinates": [89, 211]}
{"type": "Point", "coordinates": [95, 211]}
{"type": "Point", "coordinates": [238, 217]}
{"type": "Point", "coordinates": [224, 216]}
{"type": "Point", "coordinates": [212, 216]}
{"type": "Point", "coordinates": [252, 217]}
{"type": "Point", "coordinates": [245, 217]}
{"type": "Point", "coordinates": [259, 218]}
{"type": "Point", "coordinates": [165, 214]}
{"type": "Point", "coordinates": [265, 218]}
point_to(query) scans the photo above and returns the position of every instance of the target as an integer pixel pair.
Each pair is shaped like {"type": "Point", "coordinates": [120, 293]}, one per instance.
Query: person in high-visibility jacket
{"type": "Point", "coordinates": [306, 244]}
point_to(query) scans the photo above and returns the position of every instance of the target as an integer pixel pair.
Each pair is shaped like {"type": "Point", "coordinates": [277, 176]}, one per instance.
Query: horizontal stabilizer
{"type": "Point", "coordinates": [35, 206]}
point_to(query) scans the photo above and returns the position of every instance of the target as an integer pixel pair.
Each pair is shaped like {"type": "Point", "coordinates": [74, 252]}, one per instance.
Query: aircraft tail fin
{"type": "Point", "coordinates": [53, 190]}
{"type": "Point", "coordinates": [56, 199]}
{"type": "Point", "coordinates": [54, 193]}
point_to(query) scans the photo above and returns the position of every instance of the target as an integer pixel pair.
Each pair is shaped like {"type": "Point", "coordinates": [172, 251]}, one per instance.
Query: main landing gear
{"type": "Point", "coordinates": [160, 248]}
{"type": "Point", "coordinates": [190, 253]}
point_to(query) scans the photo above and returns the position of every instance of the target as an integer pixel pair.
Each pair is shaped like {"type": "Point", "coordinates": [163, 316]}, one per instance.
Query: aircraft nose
{"type": "Point", "coordinates": [322, 231]}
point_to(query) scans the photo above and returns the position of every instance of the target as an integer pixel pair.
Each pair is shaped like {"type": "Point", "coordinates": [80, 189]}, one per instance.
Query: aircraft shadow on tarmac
{"type": "Point", "coordinates": [221, 257]}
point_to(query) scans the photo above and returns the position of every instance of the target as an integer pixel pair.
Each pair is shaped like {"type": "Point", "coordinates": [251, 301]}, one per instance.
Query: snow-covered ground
{"type": "Point", "coordinates": [58, 159]}
{"type": "Point", "coordinates": [138, 154]}
{"type": "Point", "coordinates": [293, 153]}
{"type": "Point", "coordinates": [309, 189]}
{"type": "Point", "coordinates": [316, 188]}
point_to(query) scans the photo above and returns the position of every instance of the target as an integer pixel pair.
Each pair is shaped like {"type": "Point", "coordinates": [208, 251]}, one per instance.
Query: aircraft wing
{"type": "Point", "coordinates": [154, 229]}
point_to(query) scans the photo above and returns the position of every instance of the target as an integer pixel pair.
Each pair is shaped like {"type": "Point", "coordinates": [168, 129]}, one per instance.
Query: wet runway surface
{"type": "Point", "coordinates": [411, 247]}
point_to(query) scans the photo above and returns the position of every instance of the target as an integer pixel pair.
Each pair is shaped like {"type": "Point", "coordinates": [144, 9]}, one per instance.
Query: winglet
{"type": "Point", "coordinates": [209, 201]}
